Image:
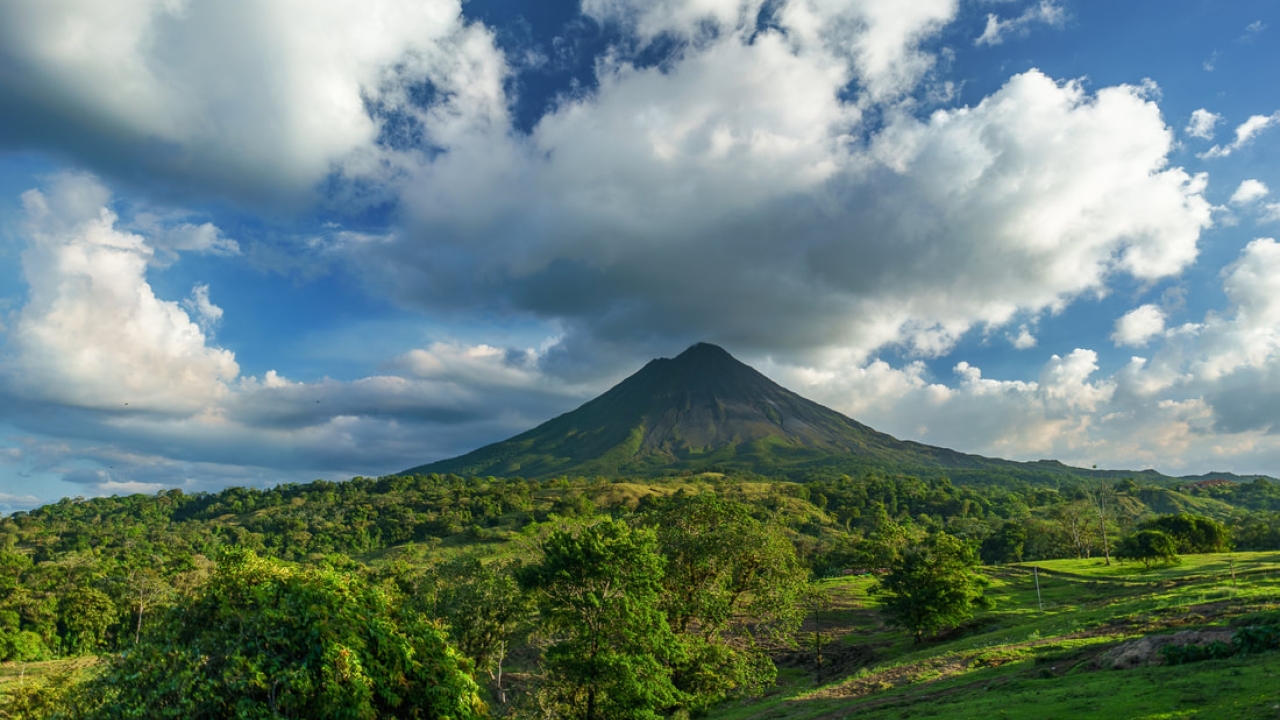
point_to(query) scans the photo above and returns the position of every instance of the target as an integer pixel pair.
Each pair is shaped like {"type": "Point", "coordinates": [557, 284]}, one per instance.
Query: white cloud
{"type": "Point", "coordinates": [1245, 132]}
{"type": "Point", "coordinates": [207, 314]}
{"type": "Point", "coordinates": [93, 334]}
{"type": "Point", "coordinates": [1270, 213]}
{"type": "Point", "coordinates": [9, 502]}
{"type": "Point", "coordinates": [171, 235]}
{"type": "Point", "coordinates": [259, 98]}
{"type": "Point", "coordinates": [1202, 124]}
{"type": "Point", "coordinates": [1249, 191]}
{"type": "Point", "coordinates": [1024, 340]}
{"type": "Point", "coordinates": [874, 42]}
{"type": "Point", "coordinates": [650, 207]}
{"type": "Point", "coordinates": [1138, 326]}
{"type": "Point", "coordinates": [1046, 12]}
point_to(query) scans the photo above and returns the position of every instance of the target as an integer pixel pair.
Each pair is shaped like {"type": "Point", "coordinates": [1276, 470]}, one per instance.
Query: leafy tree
{"type": "Point", "coordinates": [485, 610]}
{"type": "Point", "coordinates": [932, 585]}
{"type": "Point", "coordinates": [86, 613]}
{"type": "Point", "coordinates": [262, 640]}
{"type": "Point", "coordinates": [1006, 544]}
{"type": "Point", "coordinates": [597, 592]}
{"type": "Point", "coordinates": [1149, 546]}
{"type": "Point", "coordinates": [726, 569]}
{"type": "Point", "coordinates": [1192, 533]}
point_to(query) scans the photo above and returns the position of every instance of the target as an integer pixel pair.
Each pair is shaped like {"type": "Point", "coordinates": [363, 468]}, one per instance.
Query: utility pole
{"type": "Point", "coordinates": [1036, 572]}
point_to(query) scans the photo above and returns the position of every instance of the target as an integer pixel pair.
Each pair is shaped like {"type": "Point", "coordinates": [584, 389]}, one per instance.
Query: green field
{"type": "Point", "coordinates": [1016, 661]}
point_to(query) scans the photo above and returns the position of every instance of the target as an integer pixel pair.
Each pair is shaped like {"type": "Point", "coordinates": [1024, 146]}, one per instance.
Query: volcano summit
{"type": "Point", "coordinates": [706, 411]}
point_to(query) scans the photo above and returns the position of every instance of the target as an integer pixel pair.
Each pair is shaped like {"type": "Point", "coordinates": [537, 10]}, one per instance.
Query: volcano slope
{"type": "Point", "coordinates": [706, 411]}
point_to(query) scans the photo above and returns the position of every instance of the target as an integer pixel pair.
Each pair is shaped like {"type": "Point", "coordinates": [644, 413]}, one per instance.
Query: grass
{"type": "Point", "coordinates": [15, 673]}
{"type": "Point", "coordinates": [1018, 661]}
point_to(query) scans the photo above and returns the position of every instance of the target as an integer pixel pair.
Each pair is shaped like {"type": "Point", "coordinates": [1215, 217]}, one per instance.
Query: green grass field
{"type": "Point", "coordinates": [1018, 661]}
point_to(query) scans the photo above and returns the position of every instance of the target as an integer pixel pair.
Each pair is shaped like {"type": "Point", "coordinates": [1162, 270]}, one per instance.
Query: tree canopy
{"type": "Point", "coordinates": [932, 585]}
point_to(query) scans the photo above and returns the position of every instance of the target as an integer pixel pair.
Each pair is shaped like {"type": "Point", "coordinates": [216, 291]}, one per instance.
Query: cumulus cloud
{"type": "Point", "coordinates": [136, 395]}
{"type": "Point", "coordinates": [874, 42]}
{"type": "Point", "coordinates": [261, 98]}
{"type": "Point", "coordinates": [1245, 133]}
{"type": "Point", "coordinates": [93, 334]}
{"type": "Point", "coordinates": [652, 206]}
{"type": "Point", "coordinates": [1139, 325]}
{"type": "Point", "coordinates": [1248, 192]}
{"type": "Point", "coordinates": [1024, 339]}
{"type": "Point", "coordinates": [1202, 124]}
{"type": "Point", "coordinates": [1044, 12]}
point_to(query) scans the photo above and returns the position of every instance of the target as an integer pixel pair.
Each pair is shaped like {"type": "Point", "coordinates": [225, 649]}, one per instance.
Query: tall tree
{"type": "Point", "coordinates": [485, 610]}
{"type": "Point", "coordinates": [729, 578]}
{"type": "Point", "coordinates": [597, 590]}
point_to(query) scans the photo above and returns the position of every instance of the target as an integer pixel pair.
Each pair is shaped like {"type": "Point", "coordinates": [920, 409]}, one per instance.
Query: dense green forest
{"type": "Point", "coordinates": [358, 594]}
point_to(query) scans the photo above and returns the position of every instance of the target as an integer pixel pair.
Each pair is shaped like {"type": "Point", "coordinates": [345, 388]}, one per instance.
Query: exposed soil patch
{"type": "Point", "coordinates": [1146, 650]}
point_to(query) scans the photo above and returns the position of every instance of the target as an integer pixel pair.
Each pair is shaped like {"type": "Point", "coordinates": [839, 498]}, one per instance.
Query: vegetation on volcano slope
{"type": "Point", "coordinates": [85, 578]}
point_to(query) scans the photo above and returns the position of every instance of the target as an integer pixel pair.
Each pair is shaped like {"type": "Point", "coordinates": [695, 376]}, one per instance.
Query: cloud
{"type": "Point", "coordinates": [10, 502]}
{"type": "Point", "coordinates": [1202, 124]}
{"type": "Point", "coordinates": [1270, 213]}
{"type": "Point", "coordinates": [93, 334]}
{"type": "Point", "coordinates": [1044, 12]}
{"type": "Point", "coordinates": [171, 235]}
{"type": "Point", "coordinates": [259, 100]}
{"type": "Point", "coordinates": [1138, 326]}
{"type": "Point", "coordinates": [1249, 191]}
{"type": "Point", "coordinates": [1245, 132]}
{"type": "Point", "coordinates": [207, 314]}
{"type": "Point", "coordinates": [1024, 340]}
{"type": "Point", "coordinates": [649, 208]}
{"type": "Point", "coordinates": [876, 43]}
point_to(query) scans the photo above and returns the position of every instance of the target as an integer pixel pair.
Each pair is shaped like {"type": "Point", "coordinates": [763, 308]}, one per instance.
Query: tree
{"type": "Point", "coordinates": [263, 640]}
{"type": "Point", "coordinates": [1149, 546]}
{"type": "Point", "coordinates": [1006, 544]}
{"type": "Point", "coordinates": [932, 585]}
{"type": "Point", "coordinates": [597, 592]}
{"type": "Point", "coordinates": [485, 609]}
{"type": "Point", "coordinates": [1192, 533]}
{"type": "Point", "coordinates": [1101, 497]}
{"type": "Point", "coordinates": [728, 578]}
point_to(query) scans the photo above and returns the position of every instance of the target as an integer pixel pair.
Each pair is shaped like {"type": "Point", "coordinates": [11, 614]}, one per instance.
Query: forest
{"type": "Point", "coordinates": [443, 596]}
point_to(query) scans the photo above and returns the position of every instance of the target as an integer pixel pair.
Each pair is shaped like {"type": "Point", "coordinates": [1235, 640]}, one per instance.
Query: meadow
{"type": "Point", "coordinates": [1020, 661]}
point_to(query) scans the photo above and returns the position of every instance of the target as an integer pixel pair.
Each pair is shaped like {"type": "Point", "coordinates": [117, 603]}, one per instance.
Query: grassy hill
{"type": "Point", "coordinates": [1087, 654]}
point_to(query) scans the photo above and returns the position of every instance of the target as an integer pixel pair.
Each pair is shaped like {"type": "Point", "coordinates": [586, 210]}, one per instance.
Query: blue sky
{"type": "Point", "coordinates": [244, 242]}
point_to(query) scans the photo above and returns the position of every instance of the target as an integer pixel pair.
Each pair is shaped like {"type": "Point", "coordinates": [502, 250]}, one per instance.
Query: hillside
{"type": "Point", "coordinates": [705, 410]}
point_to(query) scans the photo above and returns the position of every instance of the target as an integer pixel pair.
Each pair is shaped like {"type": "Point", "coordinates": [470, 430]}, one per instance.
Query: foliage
{"type": "Point", "coordinates": [1006, 544]}
{"type": "Point", "coordinates": [725, 569]}
{"type": "Point", "coordinates": [1192, 533]}
{"type": "Point", "coordinates": [484, 609]}
{"type": "Point", "coordinates": [598, 594]}
{"type": "Point", "coordinates": [1149, 546]}
{"type": "Point", "coordinates": [1246, 640]}
{"type": "Point", "coordinates": [1189, 653]}
{"type": "Point", "coordinates": [262, 640]}
{"type": "Point", "coordinates": [933, 585]}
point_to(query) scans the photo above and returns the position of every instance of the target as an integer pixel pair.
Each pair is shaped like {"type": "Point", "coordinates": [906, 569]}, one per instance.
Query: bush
{"type": "Point", "coordinates": [24, 646]}
{"type": "Point", "coordinates": [1182, 654]}
{"type": "Point", "coordinates": [263, 640]}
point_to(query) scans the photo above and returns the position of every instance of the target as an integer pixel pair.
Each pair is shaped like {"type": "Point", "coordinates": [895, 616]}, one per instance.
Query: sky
{"type": "Point", "coordinates": [245, 242]}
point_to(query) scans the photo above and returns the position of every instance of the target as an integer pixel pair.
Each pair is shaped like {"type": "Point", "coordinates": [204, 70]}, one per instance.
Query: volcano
{"type": "Point", "coordinates": [706, 411]}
